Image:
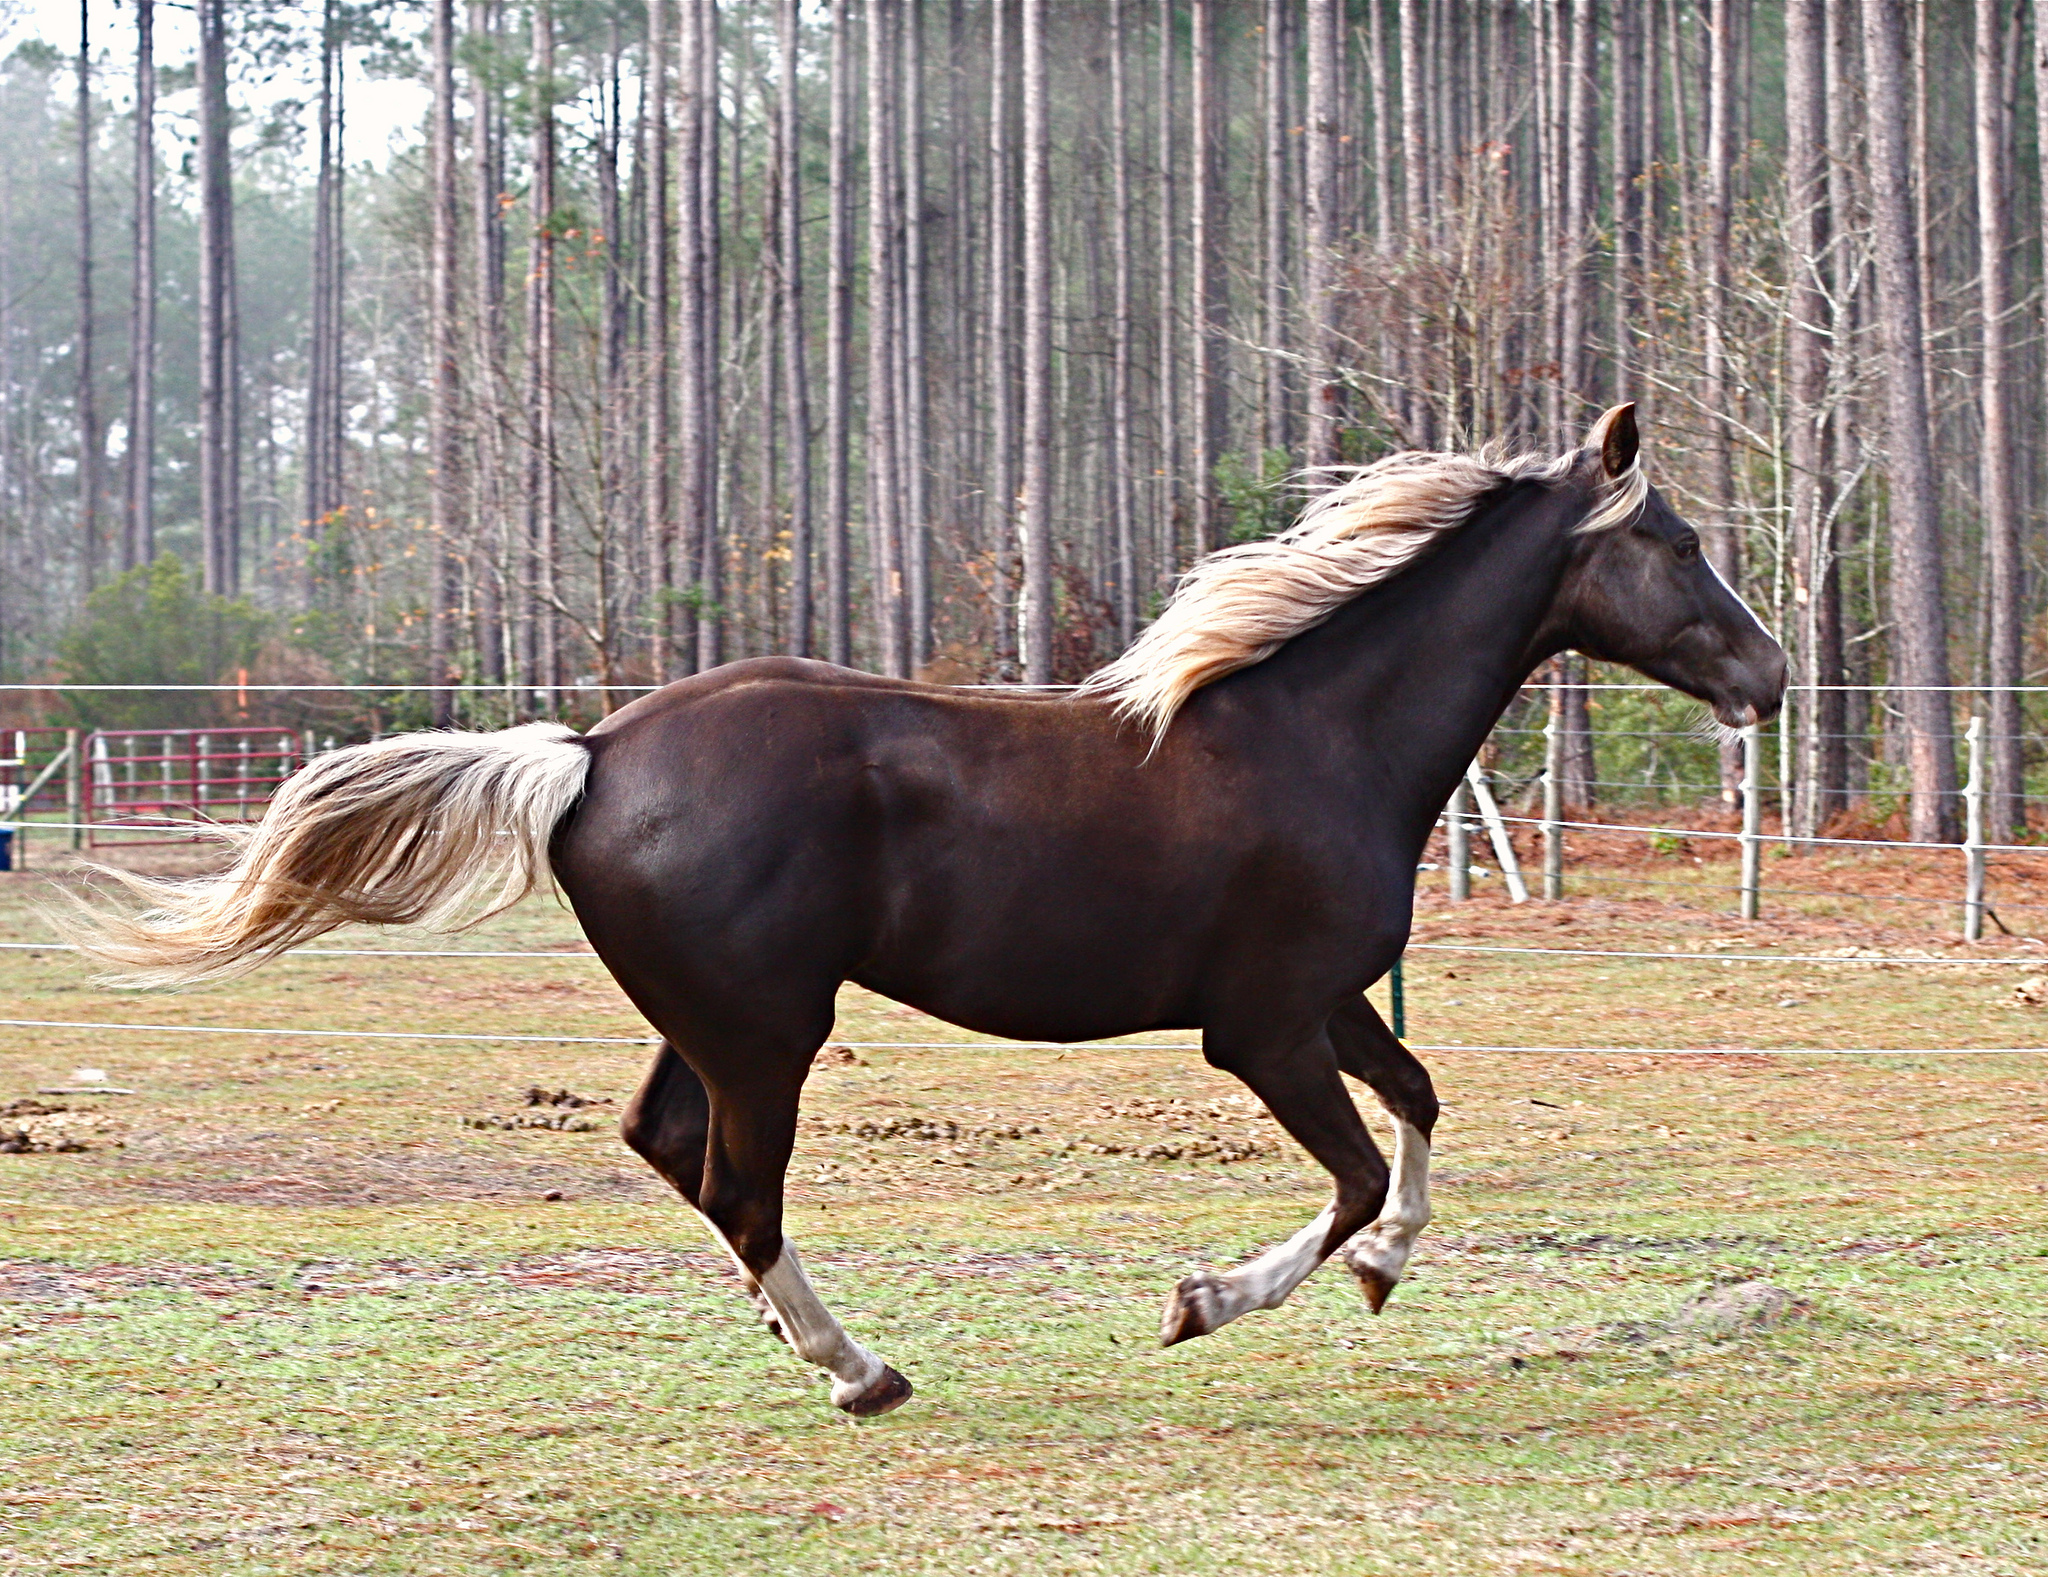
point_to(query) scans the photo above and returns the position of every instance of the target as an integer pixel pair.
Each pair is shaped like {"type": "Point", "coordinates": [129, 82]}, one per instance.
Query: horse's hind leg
{"type": "Point", "coordinates": [1301, 1086]}
{"type": "Point", "coordinates": [753, 1130]}
{"type": "Point", "coordinates": [717, 1118]}
{"type": "Point", "coordinates": [1368, 1051]}
{"type": "Point", "coordinates": [666, 1124]}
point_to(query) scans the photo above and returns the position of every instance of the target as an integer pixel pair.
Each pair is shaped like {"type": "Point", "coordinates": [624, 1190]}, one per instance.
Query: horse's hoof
{"type": "Point", "coordinates": [1195, 1309]}
{"type": "Point", "coordinates": [879, 1396]}
{"type": "Point", "coordinates": [1375, 1283]}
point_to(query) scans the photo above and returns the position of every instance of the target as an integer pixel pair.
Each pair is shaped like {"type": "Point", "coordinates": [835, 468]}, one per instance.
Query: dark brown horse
{"type": "Point", "coordinates": [1219, 833]}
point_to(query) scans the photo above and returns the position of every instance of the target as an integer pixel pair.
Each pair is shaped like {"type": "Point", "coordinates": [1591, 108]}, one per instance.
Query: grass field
{"type": "Point", "coordinates": [291, 1311]}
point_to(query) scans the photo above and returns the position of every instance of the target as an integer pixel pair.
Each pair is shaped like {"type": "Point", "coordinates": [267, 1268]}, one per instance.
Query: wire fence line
{"type": "Point", "coordinates": [291, 1033]}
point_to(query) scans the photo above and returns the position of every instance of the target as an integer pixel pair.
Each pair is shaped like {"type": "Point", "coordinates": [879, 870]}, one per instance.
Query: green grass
{"type": "Point", "coordinates": [269, 1333]}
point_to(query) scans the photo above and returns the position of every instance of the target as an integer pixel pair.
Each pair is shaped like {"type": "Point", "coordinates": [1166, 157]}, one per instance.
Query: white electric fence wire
{"type": "Point", "coordinates": [2030, 961]}
{"type": "Point", "coordinates": [1040, 1045]}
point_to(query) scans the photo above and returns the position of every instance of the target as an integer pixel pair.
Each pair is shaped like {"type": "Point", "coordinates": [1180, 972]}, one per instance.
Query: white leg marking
{"type": "Point", "coordinates": [794, 1311]}
{"type": "Point", "coordinates": [812, 1330]}
{"type": "Point", "coordinates": [1265, 1282]}
{"type": "Point", "coordinates": [1381, 1251]}
{"type": "Point", "coordinates": [1209, 1299]}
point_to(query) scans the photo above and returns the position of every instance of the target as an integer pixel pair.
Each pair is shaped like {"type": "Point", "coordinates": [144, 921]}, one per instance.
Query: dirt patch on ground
{"type": "Point", "coordinates": [294, 1169]}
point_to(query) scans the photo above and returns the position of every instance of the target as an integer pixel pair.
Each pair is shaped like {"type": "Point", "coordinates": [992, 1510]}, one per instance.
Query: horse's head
{"type": "Point", "coordinates": [1640, 592]}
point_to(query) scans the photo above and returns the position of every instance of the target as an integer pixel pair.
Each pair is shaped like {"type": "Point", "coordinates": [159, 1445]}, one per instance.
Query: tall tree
{"type": "Point", "coordinates": [138, 538]}
{"type": "Point", "coordinates": [1122, 458]}
{"type": "Point", "coordinates": [1038, 392]}
{"type": "Point", "coordinates": [795, 369]}
{"type": "Point", "coordinates": [839, 345]}
{"type": "Point", "coordinates": [913, 350]}
{"type": "Point", "coordinates": [1277, 219]}
{"type": "Point", "coordinates": [505, 605]}
{"type": "Point", "coordinates": [658, 378]}
{"type": "Point", "coordinates": [88, 411]}
{"type": "Point", "coordinates": [1167, 309]}
{"type": "Point", "coordinates": [884, 434]}
{"type": "Point", "coordinates": [1002, 328]}
{"type": "Point", "coordinates": [1205, 243]}
{"type": "Point", "coordinates": [1996, 439]}
{"type": "Point", "coordinates": [323, 362]}
{"type": "Point", "coordinates": [219, 446]}
{"type": "Point", "coordinates": [443, 423]}
{"type": "Point", "coordinates": [543, 548]}
{"type": "Point", "coordinates": [1920, 638]}
{"type": "Point", "coordinates": [1817, 647]}
{"type": "Point", "coordinates": [701, 307]}
{"type": "Point", "coordinates": [1319, 225]}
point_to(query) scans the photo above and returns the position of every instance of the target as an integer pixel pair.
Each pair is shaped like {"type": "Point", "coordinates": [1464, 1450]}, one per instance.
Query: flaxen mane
{"type": "Point", "coordinates": [1241, 604]}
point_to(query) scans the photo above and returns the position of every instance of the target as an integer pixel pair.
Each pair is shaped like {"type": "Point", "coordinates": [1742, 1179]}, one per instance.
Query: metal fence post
{"type": "Point", "coordinates": [1973, 836]}
{"type": "Point", "coordinates": [1503, 845]}
{"type": "Point", "coordinates": [74, 778]}
{"type": "Point", "coordinates": [1553, 810]}
{"type": "Point", "coordinates": [1458, 845]}
{"type": "Point", "coordinates": [1752, 822]}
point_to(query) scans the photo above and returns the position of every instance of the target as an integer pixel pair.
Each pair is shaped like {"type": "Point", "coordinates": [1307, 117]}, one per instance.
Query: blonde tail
{"type": "Point", "coordinates": [436, 829]}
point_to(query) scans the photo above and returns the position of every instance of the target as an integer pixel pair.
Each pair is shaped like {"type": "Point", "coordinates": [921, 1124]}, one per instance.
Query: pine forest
{"type": "Point", "coordinates": [937, 337]}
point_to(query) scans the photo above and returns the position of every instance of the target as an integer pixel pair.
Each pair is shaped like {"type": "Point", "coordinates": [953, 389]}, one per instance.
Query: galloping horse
{"type": "Point", "coordinates": [1219, 832]}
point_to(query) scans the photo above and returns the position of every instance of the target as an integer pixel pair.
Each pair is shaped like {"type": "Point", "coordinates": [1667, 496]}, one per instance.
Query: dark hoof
{"type": "Point", "coordinates": [885, 1395]}
{"type": "Point", "coordinates": [1375, 1284]}
{"type": "Point", "coordinates": [1195, 1309]}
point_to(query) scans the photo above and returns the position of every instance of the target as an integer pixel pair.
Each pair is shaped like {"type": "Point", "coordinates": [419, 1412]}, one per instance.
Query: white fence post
{"type": "Point", "coordinates": [1752, 822]}
{"type": "Point", "coordinates": [1503, 845]}
{"type": "Point", "coordinates": [1553, 810]}
{"type": "Point", "coordinates": [1973, 836]}
{"type": "Point", "coordinates": [1458, 845]}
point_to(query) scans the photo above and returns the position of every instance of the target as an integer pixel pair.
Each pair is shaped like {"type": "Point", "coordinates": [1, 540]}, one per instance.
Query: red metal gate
{"type": "Point", "coordinates": [153, 779]}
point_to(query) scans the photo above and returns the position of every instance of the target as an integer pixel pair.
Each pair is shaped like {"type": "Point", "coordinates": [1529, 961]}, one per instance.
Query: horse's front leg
{"type": "Point", "coordinates": [1369, 1052]}
{"type": "Point", "coordinates": [1298, 1079]}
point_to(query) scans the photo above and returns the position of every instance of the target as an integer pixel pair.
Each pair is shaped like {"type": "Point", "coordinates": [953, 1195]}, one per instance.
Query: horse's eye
{"type": "Point", "coordinates": [1687, 547]}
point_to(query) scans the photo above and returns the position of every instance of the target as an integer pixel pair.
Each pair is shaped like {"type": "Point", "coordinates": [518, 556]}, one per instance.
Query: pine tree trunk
{"type": "Point", "coordinates": [217, 438]}
{"type": "Point", "coordinates": [795, 371]}
{"type": "Point", "coordinates": [1037, 620]}
{"type": "Point", "coordinates": [1278, 209]}
{"type": "Point", "coordinates": [88, 411]}
{"type": "Point", "coordinates": [917, 526]}
{"type": "Point", "coordinates": [1384, 223]}
{"type": "Point", "coordinates": [444, 435]}
{"type": "Point", "coordinates": [138, 539]}
{"type": "Point", "coordinates": [1817, 644]}
{"type": "Point", "coordinates": [839, 346]}
{"type": "Point", "coordinates": [1003, 523]}
{"type": "Point", "coordinates": [657, 397]}
{"type": "Point", "coordinates": [1920, 637]}
{"type": "Point", "coordinates": [541, 459]}
{"type": "Point", "coordinates": [884, 497]}
{"type": "Point", "coordinates": [1122, 459]}
{"type": "Point", "coordinates": [1319, 226]}
{"type": "Point", "coordinates": [1723, 540]}
{"type": "Point", "coordinates": [2005, 809]}
{"type": "Point", "coordinates": [1168, 553]}
{"type": "Point", "coordinates": [1205, 244]}
{"type": "Point", "coordinates": [701, 176]}
{"type": "Point", "coordinates": [321, 466]}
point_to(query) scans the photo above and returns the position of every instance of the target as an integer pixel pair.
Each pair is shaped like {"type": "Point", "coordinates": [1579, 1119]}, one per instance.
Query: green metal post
{"type": "Point", "coordinates": [1400, 1002]}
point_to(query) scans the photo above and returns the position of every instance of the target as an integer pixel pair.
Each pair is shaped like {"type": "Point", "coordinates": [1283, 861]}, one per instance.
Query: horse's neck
{"type": "Point", "coordinates": [1406, 682]}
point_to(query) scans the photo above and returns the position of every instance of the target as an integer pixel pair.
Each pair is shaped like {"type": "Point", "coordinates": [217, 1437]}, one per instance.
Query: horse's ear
{"type": "Point", "coordinates": [1615, 439]}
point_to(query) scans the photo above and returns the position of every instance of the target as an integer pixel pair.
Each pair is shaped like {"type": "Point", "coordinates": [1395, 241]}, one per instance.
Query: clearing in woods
{"type": "Point", "coordinates": [301, 1306]}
